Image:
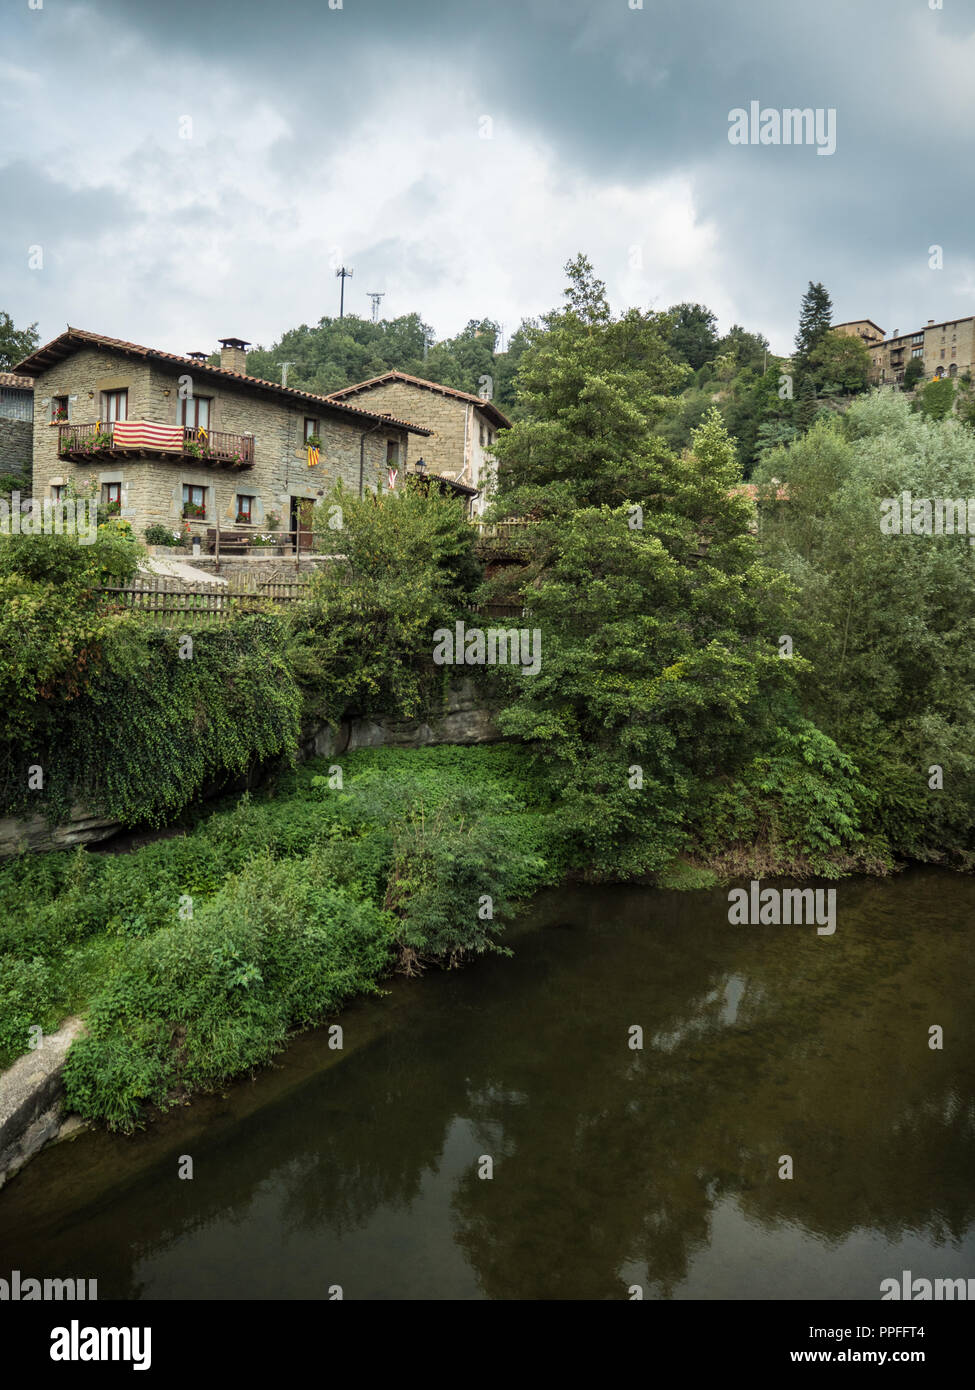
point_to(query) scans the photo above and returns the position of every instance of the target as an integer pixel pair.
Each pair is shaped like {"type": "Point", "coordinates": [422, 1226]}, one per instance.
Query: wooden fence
{"type": "Point", "coordinates": [166, 601]}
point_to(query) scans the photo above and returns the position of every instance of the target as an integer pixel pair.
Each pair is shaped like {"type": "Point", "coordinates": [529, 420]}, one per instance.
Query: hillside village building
{"type": "Point", "coordinates": [168, 438]}
{"type": "Point", "coordinates": [462, 427]}
{"type": "Point", "coordinates": [16, 427]}
{"type": "Point", "coordinates": [944, 349]}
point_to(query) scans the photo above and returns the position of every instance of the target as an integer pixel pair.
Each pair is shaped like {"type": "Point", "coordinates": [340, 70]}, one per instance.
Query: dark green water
{"type": "Point", "coordinates": [612, 1167]}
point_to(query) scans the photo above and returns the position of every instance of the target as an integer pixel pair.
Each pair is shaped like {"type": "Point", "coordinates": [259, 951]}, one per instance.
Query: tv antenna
{"type": "Point", "coordinates": [284, 371]}
{"type": "Point", "coordinates": [343, 275]}
{"type": "Point", "coordinates": [375, 296]}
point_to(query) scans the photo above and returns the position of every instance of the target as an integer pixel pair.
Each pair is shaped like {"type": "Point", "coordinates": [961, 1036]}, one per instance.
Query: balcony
{"type": "Point", "coordinates": [125, 439]}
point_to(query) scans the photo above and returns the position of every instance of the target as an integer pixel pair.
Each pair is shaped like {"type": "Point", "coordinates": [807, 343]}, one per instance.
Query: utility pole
{"type": "Point", "coordinates": [375, 297]}
{"type": "Point", "coordinates": [284, 371]}
{"type": "Point", "coordinates": [427, 340]}
{"type": "Point", "coordinates": [342, 275]}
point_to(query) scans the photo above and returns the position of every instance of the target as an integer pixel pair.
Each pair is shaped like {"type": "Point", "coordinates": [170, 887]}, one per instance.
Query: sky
{"type": "Point", "coordinates": [172, 173]}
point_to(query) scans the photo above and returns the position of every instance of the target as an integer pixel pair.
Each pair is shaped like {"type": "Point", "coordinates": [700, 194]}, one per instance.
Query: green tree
{"type": "Point", "coordinates": [15, 344]}
{"type": "Point", "coordinates": [693, 335]}
{"type": "Point", "coordinates": [913, 373]}
{"type": "Point", "coordinates": [749, 349]}
{"type": "Point", "coordinates": [590, 389]}
{"type": "Point", "coordinates": [815, 317]}
{"type": "Point", "coordinates": [884, 617]}
{"type": "Point", "coordinates": [405, 565]}
{"type": "Point", "coordinates": [840, 364]}
{"type": "Point", "coordinates": [936, 399]}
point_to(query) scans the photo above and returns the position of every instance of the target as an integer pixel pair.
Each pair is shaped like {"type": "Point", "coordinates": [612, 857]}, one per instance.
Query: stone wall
{"type": "Point", "coordinates": [459, 445]}
{"type": "Point", "coordinates": [467, 718]}
{"type": "Point", "coordinates": [16, 446]}
{"type": "Point", "coordinates": [152, 488]}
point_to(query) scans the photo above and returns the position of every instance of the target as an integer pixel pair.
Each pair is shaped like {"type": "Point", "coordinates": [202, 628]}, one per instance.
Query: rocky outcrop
{"type": "Point", "coordinates": [30, 1100]}
{"type": "Point", "coordinates": [467, 717]}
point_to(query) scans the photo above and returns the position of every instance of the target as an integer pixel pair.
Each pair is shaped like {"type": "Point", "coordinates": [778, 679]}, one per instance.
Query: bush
{"type": "Point", "coordinates": [163, 535]}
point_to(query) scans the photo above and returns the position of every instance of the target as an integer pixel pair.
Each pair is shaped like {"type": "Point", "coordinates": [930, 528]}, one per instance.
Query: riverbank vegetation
{"type": "Point", "coordinates": [192, 958]}
{"type": "Point", "coordinates": [729, 685]}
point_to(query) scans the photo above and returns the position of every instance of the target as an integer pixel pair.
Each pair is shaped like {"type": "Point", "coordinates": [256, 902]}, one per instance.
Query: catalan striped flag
{"type": "Point", "coordinates": [142, 434]}
{"type": "Point", "coordinates": [313, 456]}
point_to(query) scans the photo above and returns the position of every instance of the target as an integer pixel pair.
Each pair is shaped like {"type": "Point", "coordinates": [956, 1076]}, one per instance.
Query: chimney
{"type": "Point", "coordinates": [233, 355]}
{"type": "Point", "coordinates": [930, 322]}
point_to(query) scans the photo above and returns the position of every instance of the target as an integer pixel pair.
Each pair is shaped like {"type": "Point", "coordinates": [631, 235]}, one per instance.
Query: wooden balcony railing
{"type": "Point", "coordinates": [217, 446]}
{"type": "Point", "coordinates": [80, 442]}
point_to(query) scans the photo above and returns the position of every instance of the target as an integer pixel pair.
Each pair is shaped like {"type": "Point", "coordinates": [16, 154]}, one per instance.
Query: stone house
{"type": "Point", "coordinates": [463, 427]}
{"type": "Point", "coordinates": [16, 426]}
{"type": "Point", "coordinates": [943, 349]}
{"type": "Point", "coordinates": [169, 437]}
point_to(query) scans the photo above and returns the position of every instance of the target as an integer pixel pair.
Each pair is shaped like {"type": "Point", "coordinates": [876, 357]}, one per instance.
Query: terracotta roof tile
{"type": "Point", "coordinates": [16, 383]}
{"type": "Point", "coordinates": [487, 406]}
{"type": "Point", "coordinates": [74, 338]}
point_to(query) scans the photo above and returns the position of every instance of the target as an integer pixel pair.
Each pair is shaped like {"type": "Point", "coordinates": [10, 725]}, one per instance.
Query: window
{"type": "Point", "coordinates": [194, 501]}
{"type": "Point", "coordinates": [58, 491]}
{"type": "Point", "coordinates": [194, 413]}
{"type": "Point", "coordinates": [59, 409]}
{"type": "Point", "coordinates": [245, 507]}
{"type": "Point", "coordinates": [115, 405]}
{"type": "Point", "coordinates": [918, 352]}
{"type": "Point", "coordinates": [942, 354]}
{"type": "Point", "coordinates": [392, 453]}
{"type": "Point", "coordinates": [918, 338]}
{"type": "Point", "coordinates": [311, 426]}
{"type": "Point", "coordinates": [112, 496]}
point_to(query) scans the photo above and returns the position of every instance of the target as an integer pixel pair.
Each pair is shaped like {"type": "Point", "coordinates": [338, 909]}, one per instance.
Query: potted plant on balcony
{"type": "Point", "coordinates": [59, 415]}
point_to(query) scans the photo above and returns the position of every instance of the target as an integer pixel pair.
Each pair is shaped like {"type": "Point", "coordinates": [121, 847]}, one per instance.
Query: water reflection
{"type": "Point", "coordinates": [611, 1166]}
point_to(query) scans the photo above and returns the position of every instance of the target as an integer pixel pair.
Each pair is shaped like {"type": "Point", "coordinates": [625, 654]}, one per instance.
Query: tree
{"type": "Point", "coordinates": [404, 566]}
{"type": "Point", "coordinates": [591, 389]}
{"type": "Point", "coordinates": [693, 336]}
{"type": "Point", "coordinates": [936, 399]}
{"type": "Point", "coordinates": [882, 614]}
{"type": "Point", "coordinates": [15, 344]}
{"type": "Point", "coordinates": [749, 349]}
{"type": "Point", "coordinates": [840, 363]}
{"type": "Point", "coordinates": [644, 582]}
{"type": "Point", "coordinates": [806, 406]}
{"type": "Point", "coordinates": [815, 317]}
{"type": "Point", "coordinates": [913, 373]}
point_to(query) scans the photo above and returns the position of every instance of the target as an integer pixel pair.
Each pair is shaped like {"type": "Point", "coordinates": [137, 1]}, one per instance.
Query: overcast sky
{"type": "Point", "coordinates": [320, 135]}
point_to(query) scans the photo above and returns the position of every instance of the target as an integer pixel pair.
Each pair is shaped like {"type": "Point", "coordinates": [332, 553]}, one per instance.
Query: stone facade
{"type": "Point", "coordinates": [864, 329]}
{"type": "Point", "coordinates": [944, 349]}
{"type": "Point", "coordinates": [152, 487]}
{"type": "Point", "coordinates": [463, 431]}
{"type": "Point", "coordinates": [16, 446]}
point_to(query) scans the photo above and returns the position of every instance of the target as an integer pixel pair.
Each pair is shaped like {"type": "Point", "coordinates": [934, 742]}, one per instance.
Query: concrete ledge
{"type": "Point", "coordinates": [30, 1099]}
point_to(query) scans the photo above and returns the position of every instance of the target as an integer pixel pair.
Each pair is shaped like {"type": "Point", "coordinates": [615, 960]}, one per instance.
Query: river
{"type": "Point", "coordinates": [615, 1168]}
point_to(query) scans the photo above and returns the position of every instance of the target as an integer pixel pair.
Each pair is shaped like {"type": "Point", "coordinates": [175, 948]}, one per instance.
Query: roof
{"type": "Point", "coordinates": [11, 382]}
{"type": "Point", "coordinates": [928, 328]}
{"type": "Point", "coordinates": [450, 482]}
{"type": "Point", "coordinates": [488, 407]}
{"type": "Point", "coordinates": [852, 323]}
{"type": "Point", "coordinates": [74, 339]}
